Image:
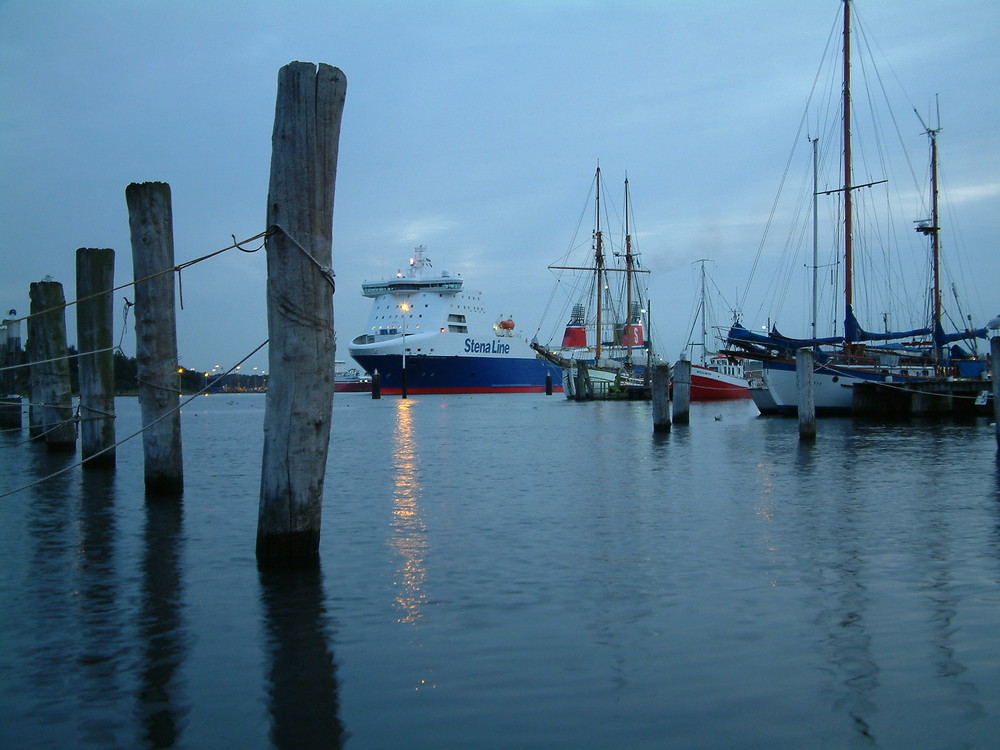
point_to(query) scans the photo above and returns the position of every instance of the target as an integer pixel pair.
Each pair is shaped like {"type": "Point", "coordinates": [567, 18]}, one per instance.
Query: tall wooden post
{"type": "Point", "coordinates": [95, 277]}
{"type": "Point", "coordinates": [804, 359]}
{"type": "Point", "coordinates": [299, 403]}
{"type": "Point", "coordinates": [51, 395]}
{"type": "Point", "coordinates": [661, 398]}
{"type": "Point", "coordinates": [995, 375]}
{"type": "Point", "coordinates": [682, 392]}
{"type": "Point", "coordinates": [11, 359]}
{"type": "Point", "coordinates": [150, 220]}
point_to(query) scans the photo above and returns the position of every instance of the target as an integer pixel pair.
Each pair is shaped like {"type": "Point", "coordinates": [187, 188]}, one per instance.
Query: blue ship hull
{"type": "Point", "coordinates": [430, 374]}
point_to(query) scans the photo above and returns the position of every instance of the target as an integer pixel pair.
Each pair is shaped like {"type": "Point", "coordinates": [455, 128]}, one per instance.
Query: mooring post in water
{"type": "Point", "coordinates": [299, 403]}
{"type": "Point", "coordinates": [580, 379]}
{"type": "Point", "coordinates": [548, 384]}
{"type": "Point", "coordinates": [376, 385]}
{"type": "Point", "coordinates": [11, 359]}
{"type": "Point", "coordinates": [51, 394]}
{"type": "Point", "coordinates": [804, 359]}
{"type": "Point", "coordinates": [150, 220]}
{"type": "Point", "coordinates": [682, 392]}
{"type": "Point", "coordinates": [661, 397]}
{"type": "Point", "coordinates": [95, 277]}
{"type": "Point", "coordinates": [995, 376]}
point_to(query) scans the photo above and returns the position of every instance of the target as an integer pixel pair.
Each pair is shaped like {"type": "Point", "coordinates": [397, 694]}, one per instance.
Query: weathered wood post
{"type": "Point", "coordinates": [51, 395]}
{"type": "Point", "coordinates": [995, 375]}
{"type": "Point", "coordinates": [299, 403]}
{"type": "Point", "coordinates": [150, 220]}
{"type": "Point", "coordinates": [661, 397]}
{"type": "Point", "coordinates": [804, 359]}
{"type": "Point", "coordinates": [95, 277]}
{"type": "Point", "coordinates": [11, 378]}
{"type": "Point", "coordinates": [682, 392]}
{"type": "Point", "coordinates": [582, 378]}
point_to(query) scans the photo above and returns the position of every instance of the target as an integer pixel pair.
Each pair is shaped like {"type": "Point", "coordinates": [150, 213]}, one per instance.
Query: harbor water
{"type": "Point", "coordinates": [514, 571]}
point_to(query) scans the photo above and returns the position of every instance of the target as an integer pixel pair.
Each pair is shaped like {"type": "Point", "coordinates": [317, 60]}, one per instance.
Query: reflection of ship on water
{"type": "Point", "coordinates": [408, 531]}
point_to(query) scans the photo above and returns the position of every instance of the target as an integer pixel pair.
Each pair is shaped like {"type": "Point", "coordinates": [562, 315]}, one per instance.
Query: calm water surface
{"type": "Point", "coordinates": [513, 572]}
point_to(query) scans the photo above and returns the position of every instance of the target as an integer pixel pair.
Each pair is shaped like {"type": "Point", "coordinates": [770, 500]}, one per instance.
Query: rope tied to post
{"type": "Point", "coordinates": [173, 269]}
{"type": "Point", "coordinates": [327, 271]}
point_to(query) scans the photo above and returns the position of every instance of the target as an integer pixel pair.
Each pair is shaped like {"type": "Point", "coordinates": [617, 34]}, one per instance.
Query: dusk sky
{"type": "Point", "coordinates": [472, 128]}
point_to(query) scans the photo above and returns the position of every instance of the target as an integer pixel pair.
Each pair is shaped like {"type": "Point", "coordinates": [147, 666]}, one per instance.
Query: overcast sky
{"type": "Point", "coordinates": [471, 127]}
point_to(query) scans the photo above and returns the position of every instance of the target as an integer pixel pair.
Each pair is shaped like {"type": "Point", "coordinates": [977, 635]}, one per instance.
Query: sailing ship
{"type": "Point", "coordinates": [604, 351]}
{"type": "Point", "coordinates": [858, 355]}
{"type": "Point", "coordinates": [428, 333]}
{"type": "Point", "coordinates": [715, 376]}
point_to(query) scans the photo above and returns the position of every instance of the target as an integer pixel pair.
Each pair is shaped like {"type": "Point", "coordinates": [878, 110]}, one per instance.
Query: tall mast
{"type": "Point", "coordinates": [704, 326]}
{"type": "Point", "coordinates": [934, 230]}
{"type": "Point", "coordinates": [628, 279]}
{"type": "Point", "coordinates": [598, 268]}
{"type": "Point", "coordinates": [848, 270]}
{"type": "Point", "coordinates": [935, 247]}
{"type": "Point", "coordinates": [815, 217]}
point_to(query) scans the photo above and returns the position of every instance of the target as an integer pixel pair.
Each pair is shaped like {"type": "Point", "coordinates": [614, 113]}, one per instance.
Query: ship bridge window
{"type": "Point", "coordinates": [453, 318]}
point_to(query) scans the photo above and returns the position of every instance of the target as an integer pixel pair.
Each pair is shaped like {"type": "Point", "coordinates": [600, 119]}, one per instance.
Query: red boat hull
{"type": "Point", "coordinates": [709, 385]}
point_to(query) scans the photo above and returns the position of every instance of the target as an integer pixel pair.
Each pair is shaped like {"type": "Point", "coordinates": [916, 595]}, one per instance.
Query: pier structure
{"type": "Point", "coordinates": [945, 397]}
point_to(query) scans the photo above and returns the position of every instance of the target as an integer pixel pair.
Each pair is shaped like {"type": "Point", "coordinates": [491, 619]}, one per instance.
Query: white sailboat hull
{"type": "Point", "coordinates": [832, 390]}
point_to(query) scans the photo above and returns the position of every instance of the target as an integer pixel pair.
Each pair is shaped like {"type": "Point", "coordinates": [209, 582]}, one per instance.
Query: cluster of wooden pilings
{"type": "Point", "coordinates": [880, 399]}
{"type": "Point", "coordinates": [305, 144]}
{"type": "Point", "coordinates": [668, 410]}
{"type": "Point", "coordinates": [41, 369]}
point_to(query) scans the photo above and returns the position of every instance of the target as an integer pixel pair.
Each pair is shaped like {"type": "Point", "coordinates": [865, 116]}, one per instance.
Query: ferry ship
{"type": "Point", "coordinates": [429, 333]}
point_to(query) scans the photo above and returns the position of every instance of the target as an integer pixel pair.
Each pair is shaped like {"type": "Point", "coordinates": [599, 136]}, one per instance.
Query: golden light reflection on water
{"type": "Point", "coordinates": [409, 537]}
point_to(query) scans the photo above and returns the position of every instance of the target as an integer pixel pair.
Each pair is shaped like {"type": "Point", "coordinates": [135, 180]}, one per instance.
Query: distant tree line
{"type": "Point", "coordinates": [127, 379]}
{"type": "Point", "coordinates": [15, 379]}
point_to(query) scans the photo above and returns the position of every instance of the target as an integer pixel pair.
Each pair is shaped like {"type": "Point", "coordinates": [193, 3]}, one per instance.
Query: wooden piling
{"type": "Point", "coordinates": [11, 360]}
{"type": "Point", "coordinates": [584, 385]}
{"type": "Point", "coordinates": [804, 359]}
{"type": "Point", "coordinates": [95, 277]}
{"type": "Point", "coordinates": [51, 396]}
{"type": "Point", "coordinates": [661, 397]}
{"type": "Point", "coordinates": [682, 392]}
{"type": "Point", "coordinates": [152, 235]}
{"type": "Point", "coordinates": [305, 142]}
{"type": "Point", "coordinates": [548, 384]}
{"type": "Point", "coordinates": [376, 385]}
{"type": "Point", "coordinates": [995, 375]}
